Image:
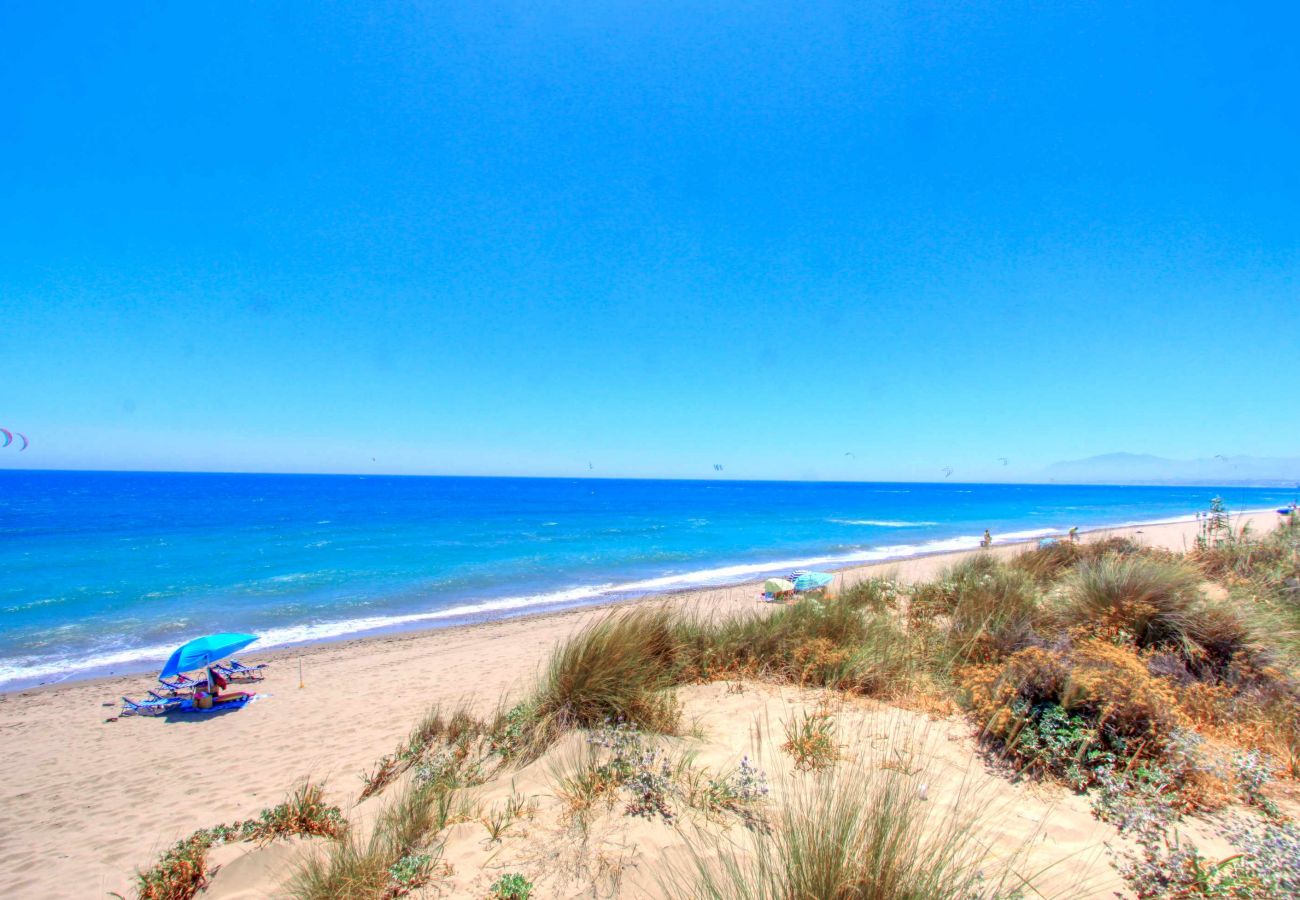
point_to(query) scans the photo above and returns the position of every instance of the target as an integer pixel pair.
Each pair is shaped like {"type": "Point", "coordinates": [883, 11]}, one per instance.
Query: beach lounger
{"type": "Point", "coordinates": [237, 671]}
{"type": "Point", "coordinates": [181, 684]}
{"type": "Point", "coordinates": [154, 706]}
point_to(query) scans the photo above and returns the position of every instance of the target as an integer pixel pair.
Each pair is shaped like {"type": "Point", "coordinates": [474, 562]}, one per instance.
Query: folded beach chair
{"type": "Point", "coordinates": [237, 671]}
{"type": "Point", "coordinates": [154, 706]}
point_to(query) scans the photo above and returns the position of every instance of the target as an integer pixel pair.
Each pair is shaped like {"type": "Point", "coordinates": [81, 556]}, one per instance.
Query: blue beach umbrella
{"type": "Point", "coordinates": [202, 652]}
{"type": "Point", "coordinates": [810, 581]}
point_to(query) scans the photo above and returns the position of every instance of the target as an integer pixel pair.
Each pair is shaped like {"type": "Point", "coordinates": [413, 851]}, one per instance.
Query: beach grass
{"type": "Point", "coordinates": [622, 667]}
{"type": "Point", "coordinates": [862, 829]}
{"type": "Point", "coordinates": [370, 867]}
{"type": "Point", "coordinates": [1075, 663]}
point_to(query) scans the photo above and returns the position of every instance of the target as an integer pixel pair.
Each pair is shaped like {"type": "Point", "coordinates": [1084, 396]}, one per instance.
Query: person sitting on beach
{"type": "Point", "coordinates": [206, 698]}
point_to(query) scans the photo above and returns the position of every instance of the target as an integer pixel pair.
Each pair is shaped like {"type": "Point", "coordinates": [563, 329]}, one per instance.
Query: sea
{"type": "Point", "coordinates": [108, 572]}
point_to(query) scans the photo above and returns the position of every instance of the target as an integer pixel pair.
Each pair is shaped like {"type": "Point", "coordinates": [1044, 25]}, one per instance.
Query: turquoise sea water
{"type": "Point", "coordinates": [110, 571]}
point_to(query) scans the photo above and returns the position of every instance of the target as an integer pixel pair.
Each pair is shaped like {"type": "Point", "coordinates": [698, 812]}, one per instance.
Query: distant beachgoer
{"type": "Point", "coordinates": [987, 540]}
{"type": "Point", "coordinates": [1074, 534]}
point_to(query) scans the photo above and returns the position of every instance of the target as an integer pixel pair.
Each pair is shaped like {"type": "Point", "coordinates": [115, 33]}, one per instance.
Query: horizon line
{"type": "Point", "coordinates": [1271, 483]}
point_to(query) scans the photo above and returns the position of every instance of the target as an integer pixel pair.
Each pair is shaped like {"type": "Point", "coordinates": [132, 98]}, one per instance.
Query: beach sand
{"type": "Point", "coordinates": [86, 801]}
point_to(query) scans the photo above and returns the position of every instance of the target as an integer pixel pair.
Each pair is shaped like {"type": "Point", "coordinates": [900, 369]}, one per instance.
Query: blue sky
{"type": "Point", "coordinates": [522, 238]}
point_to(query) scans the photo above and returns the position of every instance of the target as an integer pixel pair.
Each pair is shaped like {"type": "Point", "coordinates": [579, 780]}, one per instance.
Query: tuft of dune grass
{"type": "Point", "coordinates": [360, 868]}
{"type": "Point", "coordinates": [1155, 603]}
{"type": "Point", "coordinates": [862, 830]}
{"type": "Point", "coordinates": [623, 666]}
{"type": "Point", "coordinates": [978, 610]}
{"type": "Point", "coordinates": [830, 643]}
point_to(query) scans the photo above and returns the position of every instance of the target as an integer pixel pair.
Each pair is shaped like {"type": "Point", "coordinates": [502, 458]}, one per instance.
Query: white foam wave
{"type": "Point", "coordinates": [290, 578]}
{"type": "Point", "coordinates": [882, 523]}
{"type": "Point", "coordinates": [1029, 535]}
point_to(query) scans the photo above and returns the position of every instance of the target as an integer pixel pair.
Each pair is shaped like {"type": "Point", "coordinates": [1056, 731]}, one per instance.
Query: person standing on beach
{"type": "Point", "coordinates": [987, 541]}
{"type": "Point", "coordinates": [1074, 534]}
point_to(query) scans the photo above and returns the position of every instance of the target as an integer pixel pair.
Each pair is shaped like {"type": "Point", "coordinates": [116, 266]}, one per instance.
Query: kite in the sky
{"type": "Point", "coordinates": [1003, 460]}
{"type": "Point", "coordinates": [24, 446]}
{"type": "Point", "coordinates": [947, 471]}
{"type": "Point", "coordinates": [9, 438]}
{"type": "Point", "coordinates": [717, 467]}
{"type": "Point", "coordinates": [854, 455]}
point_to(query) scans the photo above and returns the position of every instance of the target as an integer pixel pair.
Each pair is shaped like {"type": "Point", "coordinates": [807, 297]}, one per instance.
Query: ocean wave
{"type": "Point", "coordinates": [291, 578]}
{"type": "Point", "coordinates": [33, 604]}
{"type": "Point", "coordinates": [882, 523]}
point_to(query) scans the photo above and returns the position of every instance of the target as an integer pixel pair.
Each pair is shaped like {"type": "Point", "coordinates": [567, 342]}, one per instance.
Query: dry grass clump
{"type": "Point", "coordinates": [830, 643]}
{"type": "Point", "coordinates": [876, 595]}
{"type": "Point", "coordinates": [1153, 603]}
{"type": "Point", "coordinates": [1066, 712]}
{"type": "Point", "coordinates": [810, 740]}
{"type": "Point", "coordinates": [977, 611]}
{"type": "Point", "coordinates": [1264, 576]}
{"type": "Point", "coordinates": [1241, 555]}
{"type": "Point", "coordinates": [860, 831]}
{"type": "Point", "coordinates": [1263, 716]}
{"type": "Point", "coordinates": [1048, 562]}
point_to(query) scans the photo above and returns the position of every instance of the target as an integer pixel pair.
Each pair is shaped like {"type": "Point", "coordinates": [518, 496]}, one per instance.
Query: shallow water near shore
{"type": "Point", "coordinates": [113, 570]}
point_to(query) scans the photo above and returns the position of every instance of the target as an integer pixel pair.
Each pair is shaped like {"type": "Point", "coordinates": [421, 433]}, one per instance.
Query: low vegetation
{"type": "Point", "coordinates": [393, 859]}
{"type": "Point", "coordinates": [860, 830]}
{"type": "Point", "coordinates": [512, 886]}
{"type": "Point", "coordinates": [810, 740]}
{"type": "Point", "coordinates": [619, 766]}
{"type": "Point", "coordinates": [182, 871]}
{"type": "Point", "coordinates": [1141, 677]}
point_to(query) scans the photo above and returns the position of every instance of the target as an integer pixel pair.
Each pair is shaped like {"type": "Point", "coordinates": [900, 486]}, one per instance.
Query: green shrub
{"type": "Point", "coordinates": [1069, 713]}
{"type": "Point", "coordinates": [512, 887]}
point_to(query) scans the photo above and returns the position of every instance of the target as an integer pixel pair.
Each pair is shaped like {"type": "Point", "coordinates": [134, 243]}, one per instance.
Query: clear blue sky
{"type": "Point", "coordinates": [517, 238]}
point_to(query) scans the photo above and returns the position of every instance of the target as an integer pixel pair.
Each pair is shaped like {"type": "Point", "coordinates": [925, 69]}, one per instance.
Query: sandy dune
{"type": "Point", "coordinates": [85, 800]}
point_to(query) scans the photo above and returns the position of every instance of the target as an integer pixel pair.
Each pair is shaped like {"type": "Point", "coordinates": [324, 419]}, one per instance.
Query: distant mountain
{"type": "Point", "coordinates": [1143, 468]}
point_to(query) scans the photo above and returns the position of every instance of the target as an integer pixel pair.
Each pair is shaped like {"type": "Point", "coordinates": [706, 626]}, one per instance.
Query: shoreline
{"type": "Point", "coordinates": [308, 648]}
{"type": "Point", "coordinates": [111, 794]}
